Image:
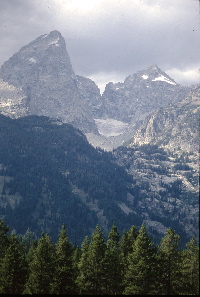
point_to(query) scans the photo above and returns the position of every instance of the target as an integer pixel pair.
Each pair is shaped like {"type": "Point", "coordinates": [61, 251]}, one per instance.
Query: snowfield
{"type": "Point", "coordinates": [110, 127]}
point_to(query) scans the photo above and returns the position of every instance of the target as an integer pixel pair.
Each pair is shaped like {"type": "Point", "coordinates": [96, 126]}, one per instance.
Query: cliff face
{"type": "Point", "coordinates": [140, 94]}
{"type": "Point", "coordinates": [13, 101]}
{"type": "Point", "coordinates": [173, 127]}
{"type": "Point", "coordinates": [44, 71]}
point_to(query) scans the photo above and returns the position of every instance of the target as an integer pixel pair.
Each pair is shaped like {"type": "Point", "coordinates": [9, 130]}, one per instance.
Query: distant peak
{"type": "Point", "coordinates": [55, 33]}
{"type": "Point", "coordinates": [154, 67]}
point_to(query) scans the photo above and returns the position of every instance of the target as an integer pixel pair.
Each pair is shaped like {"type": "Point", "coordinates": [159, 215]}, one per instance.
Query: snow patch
{"type": "Point", "coordinates": [144, 76]}
{"type": "Point", "coordinates": [55, 42]}
{"type": "Point", "coordinates": [165, 79]}
{"type": "Point", "coordinates": [32, 60]}
{"type": "Point", "coordinates": [110, 127]}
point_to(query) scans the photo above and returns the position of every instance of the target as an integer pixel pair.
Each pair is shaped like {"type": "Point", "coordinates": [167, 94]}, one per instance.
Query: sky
{"type": "Point", "coordinates": [108, 40]}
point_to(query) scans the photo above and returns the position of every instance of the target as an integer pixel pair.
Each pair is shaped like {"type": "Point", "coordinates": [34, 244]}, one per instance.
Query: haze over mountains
{"type": "Point", "coordinates": [49, 173]}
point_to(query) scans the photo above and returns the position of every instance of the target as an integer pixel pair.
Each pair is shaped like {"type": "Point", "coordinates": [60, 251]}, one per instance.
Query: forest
{"type": "Point", "coordinates": [130, 264]}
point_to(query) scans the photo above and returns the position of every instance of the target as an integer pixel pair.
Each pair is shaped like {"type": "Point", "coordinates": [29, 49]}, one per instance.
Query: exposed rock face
{"type": "Point", "coordinates": [140, 94]}
{"type": "Point", "coordinates": [44, 83]}
{"type": "Point", "coordinates": [44, 71]}
{"type": "Point", "coordinates": [173, 127]}
{"type": "Point", "coordinates": [13, 101]}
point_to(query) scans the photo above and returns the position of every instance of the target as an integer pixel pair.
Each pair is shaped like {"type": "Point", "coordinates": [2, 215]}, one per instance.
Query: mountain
{"type": "Point", "coordinates": [42, 69]}
{"type": "Point", "coordinates": [43, 72]}
{"type": "Point", "coordinates": [174, 127]}
{"type": "Point", "coordinates": [166, 188]}
{"type": "Point", "coordinates": [50, 175]}
{"type": "Point", "coordinates": [127, 104]}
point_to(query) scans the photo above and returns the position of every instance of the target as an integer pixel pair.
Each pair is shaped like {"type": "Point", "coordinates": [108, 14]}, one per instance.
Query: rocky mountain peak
{"type": "Point", "coordinates": [43, 70]}
{"type": "Point", "coordinates": [45, 56]}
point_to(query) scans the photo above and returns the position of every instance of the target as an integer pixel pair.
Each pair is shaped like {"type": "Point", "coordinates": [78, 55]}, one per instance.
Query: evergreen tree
{"type": "Point", "coordinates": [13, 270]}
{"type": "Point", "coordinates": [139, 278]}
{"type": "Point", "coordinates": [41, 267]}
{"type": "Point", "coordinates": [4, 239]}
{"type": "Point", "coordinates": [126, 245]}
{"type": "Point", "coordinates": [190, 268]}
{"type": "Point", "coordinates": [64, 277]}
{"type": "Point", "coordinates": [91, 266]}
{"type": "Point", "coordinates": [169, 259]}
{"type": "Point", "coordinates": [113, 266]}
{"type": "Point", "coordinates": [83, 279]}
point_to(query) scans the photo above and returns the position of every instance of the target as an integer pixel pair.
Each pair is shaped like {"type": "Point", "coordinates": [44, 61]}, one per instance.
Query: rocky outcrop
{"type": "Point", "coordinates": [140, 94]}
{"type": "Point", "coordinates": [44, 71]}
{"type": "Point", "coordinates": [13, 101]}
{"type": "Point", "coordinates": [173, 127]}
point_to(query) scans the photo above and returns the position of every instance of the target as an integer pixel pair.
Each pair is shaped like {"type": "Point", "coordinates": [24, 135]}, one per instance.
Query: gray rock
{"type": "Point", "coordinates": [44, 71]}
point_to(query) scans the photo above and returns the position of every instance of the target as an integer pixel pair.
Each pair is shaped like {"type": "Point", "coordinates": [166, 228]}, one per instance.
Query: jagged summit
{"type": "Point", "coordinates": [154, 74]}
{"type": "Point", "coordinates": [46, 55]}
{"type": "Point", "coordinates": [43, 70]}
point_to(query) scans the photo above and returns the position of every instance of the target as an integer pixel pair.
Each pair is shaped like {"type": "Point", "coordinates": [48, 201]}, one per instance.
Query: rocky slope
{"type": "Point", "coordinates": [131, 102]}
{"type": "Point", "coordinates": [50, 175]}
{"type": "Point", "coordinates": [44, 71]}
{"type": "Point", "coordinates": [166, 188]}
{"type": "Point", "coordinates": [13, 101]}
{"type": "Point", "coordinates": [140, 93]}
{"type": "Point", "coordinates": [175, 127]}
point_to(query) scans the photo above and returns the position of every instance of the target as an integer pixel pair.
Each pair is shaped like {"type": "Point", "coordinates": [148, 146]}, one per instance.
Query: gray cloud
{"type": "Point", "coordinates": [108, 38]}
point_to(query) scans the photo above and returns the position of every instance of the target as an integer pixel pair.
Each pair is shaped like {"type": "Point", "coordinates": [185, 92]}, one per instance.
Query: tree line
{"type": "Point", "coordinates": [128, 264]}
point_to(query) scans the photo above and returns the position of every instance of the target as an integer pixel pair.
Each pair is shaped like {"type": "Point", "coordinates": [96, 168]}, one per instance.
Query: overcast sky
{"type": "Point", "coordinates": [107, 40]}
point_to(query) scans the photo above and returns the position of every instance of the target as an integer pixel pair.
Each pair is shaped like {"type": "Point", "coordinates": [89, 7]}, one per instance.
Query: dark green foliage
{"type": "Point", "coordinates": [13, 268]}
{"type": "Point", "coordinates": [41, 267]}
{"type": "Point", "coordinates": [190, 268]}
{"type": "Point", "coordinates": [140, 275]}
{"type": "Point", "coordinates": [64, 275]}
{"type": "Point", "coordinates": [46, 160]}
{"type": "Point", "coordinates": [92, 266]}
{"type": "Point", "coordinates": [4, 240]}
{"type": "Point", "coordinates": [170, 263]}
{"type": "Point", "coordinates": [130, 265]}
{"type": "Point", "coordinates": [113, 267]}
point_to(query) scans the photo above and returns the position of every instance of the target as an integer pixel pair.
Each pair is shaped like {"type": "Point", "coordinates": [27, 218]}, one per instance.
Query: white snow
{"type": "Point", "coordinates": [110, 127]}
{"type": "Point", "coordinates": [163, 78]}
{"type": "Point", "coordinates": [32, 60]}
{"type": "Point", "coordinates": [55, 42]}
{"type": "Point", "coordinates": [144, 76]}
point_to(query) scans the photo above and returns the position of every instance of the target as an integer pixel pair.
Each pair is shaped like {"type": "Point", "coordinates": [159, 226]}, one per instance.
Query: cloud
{"type": "Point", "coordinates": [109, 37]}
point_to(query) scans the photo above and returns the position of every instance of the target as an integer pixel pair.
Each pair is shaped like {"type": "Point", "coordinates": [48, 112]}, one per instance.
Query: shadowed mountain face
{"type": "Point", "coordinates": [50, 175]}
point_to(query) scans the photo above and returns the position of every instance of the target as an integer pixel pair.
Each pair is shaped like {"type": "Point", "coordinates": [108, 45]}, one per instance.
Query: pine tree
{"type": "Point", "coordinates": [91, 280]}
{"type": "Point", "coordinates": [139, 278]}
{"type": "Point", "coordinates": [190, 268]}
{"type": "Point", "coordinates": [13, 270]}
{"type": "Point", "coordinates": [113, 266]}
{"type": "Point", "coordinates": [64, 277]}
{"type": "Point", "coordinates": [41, 267]}
{"type": "Point", "coordinates": [126, 244]}
{"type": "Point", "coordinates": [83, 279]}
{"type": "Point", "coordinates": [169, 259]}
{"type": "Point", "coordinates": [4, 239]}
